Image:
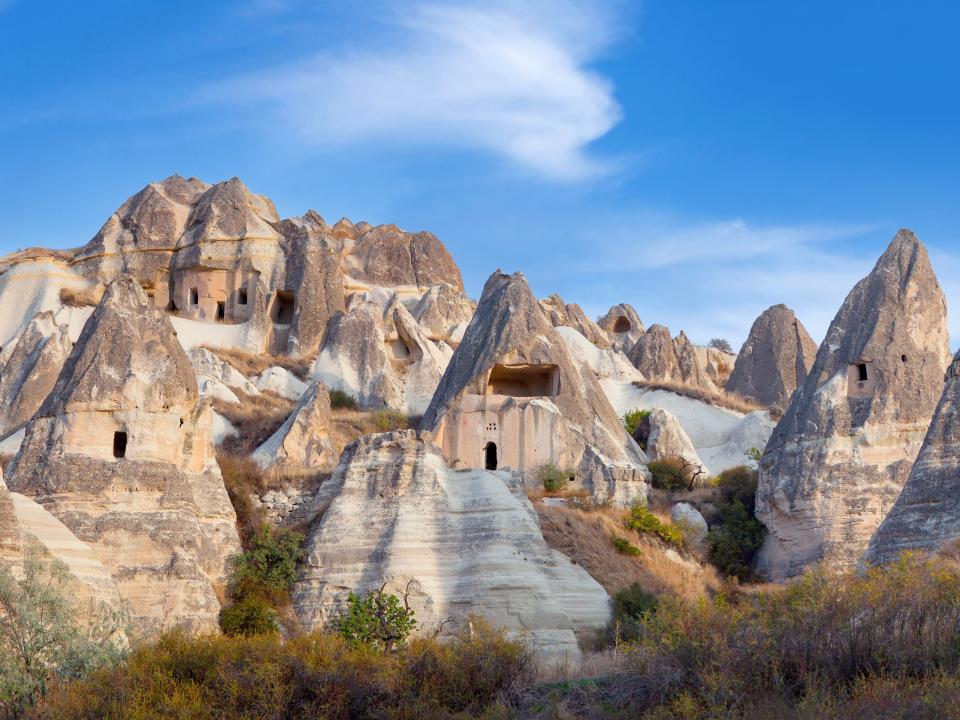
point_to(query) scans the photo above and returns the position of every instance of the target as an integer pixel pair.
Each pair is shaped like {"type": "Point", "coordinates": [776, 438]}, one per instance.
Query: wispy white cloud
{"type": "Point", "coordinates": [511, 78]}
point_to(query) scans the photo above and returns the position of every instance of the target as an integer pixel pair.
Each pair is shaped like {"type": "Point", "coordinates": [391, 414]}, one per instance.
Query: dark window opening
{"type": "Point", "coordinates": [523, 380]}
{"type": "Point", "coordinates": [283, 306]}
{"type": "Point", "coordinates": [903, 358]}
{"type": "Point", "coordinates": [242, 296]}
{"type": "Point", "coordinates": [490, 456]}
{"type": "Point", "coordinates": [194, 296]}
{"type": "Point", "coordinates": [119, 444]}
{"type": "Point", "coordinates": [862, 372]}
{"type": "Point", "coordinates": [171, 306]}
{"type": "Point", "coordinates": [221, 311]}
{"type": "Point", "coordinates": [622, 325]}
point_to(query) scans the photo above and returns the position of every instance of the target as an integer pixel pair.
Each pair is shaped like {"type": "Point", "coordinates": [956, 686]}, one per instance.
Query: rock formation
{"type": "Point", "coordinates": [30, 370]}
{"type": "Point", "coordinates": [120, 453]}
{"type": "Point", "coordinates": [623, 326]}
{"type": "Point", "coordinates": [513, 397]}
{"type": "Point", "coordinates": [775, 359]}
{"type": "Point", "coordinates": [926, 514]}
{"type": "Point", "coordinates": [668, 439]}
{"type": "Point", "coordinates": [443, 312]}
{"type": "Point", "coordinates": [302, 443]}
{"type": "Point", "coordinates": [463, 542]}
{"type": "Point", "coordinates": [840, 455]}
{"type": "Point", "coordinates": [664, 359]}
{"type": "Point", "coordinates": [561, 314]}
{"type": "Point", "coordinates": [218, 378]}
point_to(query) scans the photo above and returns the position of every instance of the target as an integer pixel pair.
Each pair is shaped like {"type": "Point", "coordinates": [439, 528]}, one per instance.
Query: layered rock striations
{"type": "Point", "coordinates": [926, 515]}
{"type": "Point", "coordinates": [461, 542]}
{"type": "Point", "coordinates": [512, 396]}
{"type": "Point", "coordinates": [841, 454]}
{"type": "Point", "coordinates": [774, 360]}
{"type": "Point", "coordinates": [121, 453]}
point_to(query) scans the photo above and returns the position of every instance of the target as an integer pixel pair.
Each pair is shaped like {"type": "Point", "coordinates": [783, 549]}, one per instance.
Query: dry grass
{"type": "Point", "coordinates": [80, 297]}
{"type": "Point", "coordinates": [730, 401]}
{"type": "Point", "coordinates": [349, 425]}
{"type": "Point", "coordinates": [584, 537]}
{"type": "Point", "coordinates": [250, 363]}
{"type": "Point", "coordinates": [256, 418]}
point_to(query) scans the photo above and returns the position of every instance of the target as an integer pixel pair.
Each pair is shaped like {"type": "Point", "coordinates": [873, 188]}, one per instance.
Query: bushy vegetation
{"type": "Point", "coordinates": [41, 641]}
{"type": "Point", "coordinates": [623, 546]}
{"type": "Point", "coordinates": [669, 474]}
{"type": "Point", "coordinates": [643, 521]}
{"type": "Point", "coordinates": [552, 478]}
{"type": "Point", "coordinates": [634, 420]}
{"type": "Point", "coordinates": [260, 582]}
{"type": "Point", "coordinates": [342, 400]}
{"type": "Point", "coordinates": [721, 344]}
{"type": "Point", "coordinates": [736, 538]}
{"type": "Point", "coordinates": [631, 606]}
{"type": "Point", "coordinates": [388, 419]}
{"type": "Point", "coordinates": [318, 675]}
{"type": "Point", "coordinates": [381, 619]}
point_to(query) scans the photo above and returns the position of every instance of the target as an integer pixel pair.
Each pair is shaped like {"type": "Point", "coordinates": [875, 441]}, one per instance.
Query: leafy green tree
{"type": "Point", "coordinates": [735, 540]}
{"type": "Point", "coordinates": [380, 619]}
{"type": "Point", "coordinates": [269, 567]}
{"type": "Point", "coordinates": [721, 344]}
{"type": "Point", "coordinates": [41, 640]}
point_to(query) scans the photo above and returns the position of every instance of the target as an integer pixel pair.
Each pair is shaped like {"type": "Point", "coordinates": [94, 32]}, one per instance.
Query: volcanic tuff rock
{"type": "Point", "coordinates": [30, 370]}
{"type": "Point", "coordinates": [443, 312]}
{"type": "Point", "coordinates": [774, 360]}
{"type": "Point", "coordinates": [623, 325]}
{"type": "Point", "coordinates": [840, 455]}
{"type": "Point", "coordinates": [926, 514]}
{"type": "Point", "coordinates": [562, 315]}
{"type": "Point", "coordinates": [513, 396]}
{"type": "Point", "coordinates": [662, 358]}
{"type": "Point", "coordinates": [120, 453]}
{"type": "Point", "coordinates": [668, 439]}
{"type": "Point", "coordinates": [463, 542]}
{"type": "Point", "coordinates": [303, 441]}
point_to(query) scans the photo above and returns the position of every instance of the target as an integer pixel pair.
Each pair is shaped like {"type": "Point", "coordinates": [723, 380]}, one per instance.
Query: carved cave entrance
{"type": "Point", "coordinates": [524, 380]}
{"type": "Point", "coordinates": [622, 325]}
{"type": "Point", "coordinates": [283, 305]}
{"type": "Point", "coordinates": [221, 311]}
{"type": "Point", "coordinates": [490, 456]}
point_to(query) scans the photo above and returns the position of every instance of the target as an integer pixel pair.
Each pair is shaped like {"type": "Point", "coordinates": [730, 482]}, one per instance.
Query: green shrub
{"type": "Point", "coordinates": [738, 535]}
{"type": "Point", "coordinates": [552, 478]}
{"type": "Point", "coordinates": [380, 619]}
{"type": "Point", "coordinates": [269, 567]}
{"type": "Point", "coordinates": [341, 399]}
{"type": "Point", "coordinates": [643, 521]}
{"type": "Point", "coordinates": [721, 344]}
{"type": "Point", "coordinates": [252, 615]}
{"type": "Point", "coordinates": [668, 474]}
{"type": "Point", "coordinates": [633, 419]}
{"type": "Point", "coordinates": [388, 419]}
{"type": "Point", "coordinates": [624, 546]}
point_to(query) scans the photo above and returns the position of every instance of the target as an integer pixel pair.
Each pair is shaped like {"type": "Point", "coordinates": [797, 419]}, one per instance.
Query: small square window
{"type": "Point", "coordinates": [194, 296]}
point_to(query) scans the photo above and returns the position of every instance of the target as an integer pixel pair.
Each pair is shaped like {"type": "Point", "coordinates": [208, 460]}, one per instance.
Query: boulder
{"type": "Point", "coordinates": [513, 396]}
{"type": "Point", "coordinates": [691, 521]}
{"type": "Point", "coordinates": [668, 439]}
{"type": "Point", "coordinates": [120, 452]}
{"type": "Point", "coordinates": [841, 453]}
{"type": "Point", "coordinates": [774, 360]}
{"type": "Point", "coordinates": [302, 443]}
{"type": "Point", "coordinates": [218, 378]}
{"type": "Point", "coordinates": [461, 543]}
{"type": "Point", "coordinates": [30, 370]}
{"type": "Point", "coordinates": [926, 515]}
{"type": "Point", "coordinates": [282, 382]}
{"type": "Point", "coordinates": [623, 326]}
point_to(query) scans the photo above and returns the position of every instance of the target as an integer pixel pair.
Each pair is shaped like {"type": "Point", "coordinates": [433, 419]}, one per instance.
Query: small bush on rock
{"type": "Point", "coordinates": [252, 615]}
{"type": "Point", "coordinates": [634, 419]}
{"type": "Point", "coordinates": [668, 474]}
{"type": "Point", "coordinates": [382, 620]}
{"type": "Point", "coordinates": [340, 399]}
{"type": "Point", "coordinates": [624, 546]}
{"type": "Point", "coordinates": [643, 521]}
{"type": "Point", "coordinates": [387, 419]}
{"type": "Point", "coordinates": [552, 478]}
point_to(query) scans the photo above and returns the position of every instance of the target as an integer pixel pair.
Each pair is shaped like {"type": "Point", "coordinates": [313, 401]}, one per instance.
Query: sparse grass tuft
{"type": "Point", "coordinates": [730, 401]}
{"type": "Point", "coordinates": [250, 363]}
{"type": "Point", "coordinates": [80, 297]}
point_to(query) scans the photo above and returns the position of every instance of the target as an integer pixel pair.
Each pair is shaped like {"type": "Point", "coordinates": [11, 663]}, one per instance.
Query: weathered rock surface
{"type": "Point", "coordinates": [513, 396]}
{"type": "Point", "coordinates": [218, 378]}
{"type": "Point", "coordinates": [282, 382]}
{"type": "Point", "coordinates": [464, 542]}
{"type": "Point", "coordinates": [30, 370]}
{"type": "Point", "coordinates": [623, 326]}
{"type": "Point", "coordinates": [560, 314]}
{"type": "Point", "coordinates": [692, 521]}
{"type": "Point", "coordinates": [926, 515]}
{"type": "Point", "coordinates": [662, 358]}
{"type": "Point", "coordinates": [774, 360]}
{"type": "Point", "coordinates": [443, 313]}
{"type": "Point", "coordinates": [302, 443]}
{"type": "Point", "coordinates": [842, 452]}
{"type": "Point", "coordinates": [668, 439]}
{"type": "Point", "coordinates": [121, 454]}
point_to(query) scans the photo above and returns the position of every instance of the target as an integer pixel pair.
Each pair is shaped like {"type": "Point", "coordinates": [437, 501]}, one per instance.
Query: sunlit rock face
{"type": "Point", "coordinates": [666, 359]}
{"type": "Point", "coordinates": [121, 454]}
{"type": "Point", "coordinates": [841, 454]}
{"type": "Point", "coordinates": [926, 515]}
{"type": "Point", "coordinates": [512, 396]}
{"type": "Point", "coordinates": [774, 360]}
{"type": "Point", "coordinates": [623, 326]}
{"type": "Point", "coordinates": [463, 542]}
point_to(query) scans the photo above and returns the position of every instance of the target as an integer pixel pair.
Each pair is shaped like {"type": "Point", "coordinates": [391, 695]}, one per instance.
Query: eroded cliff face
{"type": "Point", "coordinates": [774, 360]}
{"type": "Point", "coordinates": [842, 452]}
{"type": "Point", "coordinates": [121, 454]}
{"type": "Point", "coordinates": [666, 359]}
{"type": "Point", "coordinates": [464, 543]}
{"type": "Point", "coordinates": [926, 515]}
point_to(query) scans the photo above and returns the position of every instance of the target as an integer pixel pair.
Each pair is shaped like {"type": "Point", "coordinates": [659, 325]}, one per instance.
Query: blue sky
{"type": "Point", "coordinates": [699, 160]}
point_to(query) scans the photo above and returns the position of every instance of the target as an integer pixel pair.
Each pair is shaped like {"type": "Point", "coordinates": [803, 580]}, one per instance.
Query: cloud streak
{"type": "Point", "coordinates": [508, 78]}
